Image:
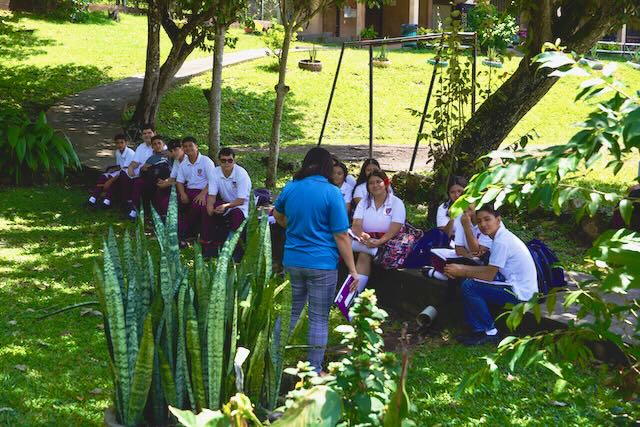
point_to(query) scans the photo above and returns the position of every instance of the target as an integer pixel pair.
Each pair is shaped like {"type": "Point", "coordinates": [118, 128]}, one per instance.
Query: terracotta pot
{"type": "Point", "coordinates": [380, 63]}
{"type": "Point", "coordinates": [307, 64]}
{"type": "Point", "coordinates": [248, 30]}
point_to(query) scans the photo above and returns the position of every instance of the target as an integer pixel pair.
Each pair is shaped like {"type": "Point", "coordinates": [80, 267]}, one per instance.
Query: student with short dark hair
{"type": "Point", "coordinates": [228, 201]}
{"type": "Point", "coordinates": [469, 241]}
{"type": "Point", "coordinates": [108, 181]}
{"type": "Point", "coordinates": [312, 210]}
{"type": "Point", "coordinates": [510, 257]}
{"type": "Point", "coordinates": [192, 183]}
{"type": "Point", "coordinates": [163, 191]}
{"type": "Point", "coordinates": [454, 189]}
{"type": "Point", "coordinates": [377, 219]}
{"type": "Point", "coordinates": [155, 166]}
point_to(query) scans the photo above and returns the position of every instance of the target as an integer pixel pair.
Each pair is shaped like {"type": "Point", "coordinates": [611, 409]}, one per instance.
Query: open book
{"type": "Point", "coordinates": [443, 256]}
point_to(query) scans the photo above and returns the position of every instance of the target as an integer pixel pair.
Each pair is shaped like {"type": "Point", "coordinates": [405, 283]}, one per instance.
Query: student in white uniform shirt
{"type": "Point", "coordinates": [108, 181]}
{"type": "Point", "coordinates": [376, 220]}
{"type": "Point", "coordinates": [469, 240]}
{"type": "Point", "coordinates": [132, 172]}
{"type": "Point", "coordinates": [192, 184]}
{"type": "Point", "coordinates": [228, 202]}
{"type": "Point", "coordinates": [360, 190]}
{"type": "Point", "coordinates": [339, 178]}
{"type": "Point", "coordinates": [512, 259]}
{"type": "Point", "coordinates": [455, 189]}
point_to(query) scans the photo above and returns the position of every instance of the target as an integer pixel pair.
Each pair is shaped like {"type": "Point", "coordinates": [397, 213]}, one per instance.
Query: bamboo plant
{"type": "Point", "coordinates": [172, 329]}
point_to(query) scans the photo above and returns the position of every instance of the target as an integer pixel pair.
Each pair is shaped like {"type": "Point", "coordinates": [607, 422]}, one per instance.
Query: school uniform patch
{"type": "Point", "coordinates": [199, 172]}
{"type": "Point", "coordinates": [387, 211]}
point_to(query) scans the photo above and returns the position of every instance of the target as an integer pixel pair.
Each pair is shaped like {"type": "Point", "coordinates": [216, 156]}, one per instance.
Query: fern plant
{"type": "Point", "coordinates": [172, 330]}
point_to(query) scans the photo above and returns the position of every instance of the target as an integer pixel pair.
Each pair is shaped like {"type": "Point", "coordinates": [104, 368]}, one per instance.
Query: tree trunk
{"type": "Point", "coordinates": [281, 92]}
{"type": "Point", "coordinates": [579, 27]}
{"type": "Point", "coordinates": [215, 95]}
{"type": "Point", "coordinates": [147, 106]}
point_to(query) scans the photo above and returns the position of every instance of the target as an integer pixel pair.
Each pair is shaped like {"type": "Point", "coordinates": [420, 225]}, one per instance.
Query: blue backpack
{"type": "Point", "coordinates": [421, 253]}
{"type": "Point", "coordinates": [550, 274]}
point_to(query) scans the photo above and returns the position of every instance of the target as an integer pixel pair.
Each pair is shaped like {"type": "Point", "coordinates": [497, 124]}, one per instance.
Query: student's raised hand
{"type": "Point", "coordinates": [454, 270]}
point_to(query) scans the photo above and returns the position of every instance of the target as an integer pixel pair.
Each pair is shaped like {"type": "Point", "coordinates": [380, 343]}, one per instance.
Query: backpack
{"type": "Point", "coordinates": [394, 253]}
{"type": "Point", "coordinates": [420, 256]}
{"type": "Point", "coordinates": [550, 274]}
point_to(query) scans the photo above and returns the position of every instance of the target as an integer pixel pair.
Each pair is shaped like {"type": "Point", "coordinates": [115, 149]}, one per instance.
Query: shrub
{"type": "Point", "coordinates": [368, 33]}
{"type": "Point", "coordinates": [494, 29]}
{"type": "Point", "coordinates": [412, 187]}
{"type": "Point", "coordinates": [32, 149]}
{"type": "Point", "coordinates": [273, 38]}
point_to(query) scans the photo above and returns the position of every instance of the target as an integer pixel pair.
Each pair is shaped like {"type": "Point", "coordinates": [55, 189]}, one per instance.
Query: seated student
{"type": "Point", "coordinates": [511, 258]}
{"type": "Point", "coordinates": [469, 240]}
{"type": "Point", "coordinates": [163, 192]}
{"type": "Point", "coordinates": [455, 189]}
{"type": "Point", "coordinates": [376, 220]}
{"type": "Point", "coordinates": [144, 187]}
{"type": "Point", "coordinates": [339, 179]}
{"type": "Point", "coordinates": [107, 182]}
{"type": "Point", "coordinates": [194, 174]}
{"type": "Point", "coordinates": [129, 176]}
{"type": "Point", "coordinates": [360, 189]}
{"type": "Point", "coordinates": [349, 179]}
{"type": "Point", "coordinates": [228, 202]}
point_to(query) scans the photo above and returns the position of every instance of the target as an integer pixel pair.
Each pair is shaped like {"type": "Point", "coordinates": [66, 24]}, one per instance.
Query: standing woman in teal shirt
{"type": "Point", "coordinates": [313, 212]}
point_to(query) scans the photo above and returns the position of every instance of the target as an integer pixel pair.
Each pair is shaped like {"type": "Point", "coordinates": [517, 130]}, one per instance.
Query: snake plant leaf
{"type": "Point", "coordinates": [166, 376]}
{"type": "Point", "coordinates": [142, 375]}
{"type": "Point", "coordinates": [195, 361]}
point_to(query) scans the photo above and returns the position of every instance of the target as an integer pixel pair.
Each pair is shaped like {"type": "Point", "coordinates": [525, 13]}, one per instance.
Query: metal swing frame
{"type": "Point", "coordinates": [468, 37]}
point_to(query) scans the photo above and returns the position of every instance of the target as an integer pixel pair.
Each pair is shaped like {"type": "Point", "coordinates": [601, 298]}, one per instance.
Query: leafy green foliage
{"type": "Point", "coordinates": [607, 304]}
{"type": "Point", "coordinates": [496, 30]}
{"type": "Point", "coordinates": [34, 149]}
{"type": "Point", "coordinates": [368, 33]}
{"type": "Point", "coordinates": [273, 38]}
{"type": "Point", "coordinates": [172, 336]}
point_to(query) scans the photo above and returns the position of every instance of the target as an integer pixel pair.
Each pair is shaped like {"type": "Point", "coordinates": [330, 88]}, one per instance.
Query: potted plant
{"type": "Point", "coordinates": [439, 61]}
{"type": "Point", "coordinates": [312, 64]}
{"type": "Point", "coordinates": [368, 33]}
{"type": "Point", "coordinates": [591, 60]}
{"type": "Point", "coordinates": [634, 62]}
{"type": "Point", "coordinates": [249, 25]}
{"type": "Point", "coordinates": [382, 60]}
{"type": "Point", "coordinates": [493, 59]}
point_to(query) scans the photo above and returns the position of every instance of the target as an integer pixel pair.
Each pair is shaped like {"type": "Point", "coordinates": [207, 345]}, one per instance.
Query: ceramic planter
{"type": "Point", "coordinates": [492, 64]}
{"type": "Point", "coordinates": [442, 63]}
{"type": "Point", "coordinates": [307, 64]}
{"type": "Point", "coordinates": [381, 63]}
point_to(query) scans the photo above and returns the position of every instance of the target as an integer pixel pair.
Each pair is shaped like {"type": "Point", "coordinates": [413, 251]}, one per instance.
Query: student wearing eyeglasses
{"type": "Point", "coordinates": [228, 202]}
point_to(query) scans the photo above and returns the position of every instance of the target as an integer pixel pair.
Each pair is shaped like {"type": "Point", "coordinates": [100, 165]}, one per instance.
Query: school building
{"type": "Point", "coordinates": [347, 22]}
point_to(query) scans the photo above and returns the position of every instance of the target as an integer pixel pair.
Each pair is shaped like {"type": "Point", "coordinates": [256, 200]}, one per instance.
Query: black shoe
{"type": "Point", "coordinates": [494, 340]}
{"type": "Point", "coordinates": [472, 336]}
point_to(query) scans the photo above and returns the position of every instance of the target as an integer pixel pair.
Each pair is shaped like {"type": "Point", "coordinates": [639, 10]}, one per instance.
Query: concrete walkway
{"type": "Point", "coordinates": [90, 118]}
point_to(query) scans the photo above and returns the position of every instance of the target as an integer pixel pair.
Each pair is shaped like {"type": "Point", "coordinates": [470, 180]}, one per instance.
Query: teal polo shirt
{"type": "Point", "coordinates": [315, 211]}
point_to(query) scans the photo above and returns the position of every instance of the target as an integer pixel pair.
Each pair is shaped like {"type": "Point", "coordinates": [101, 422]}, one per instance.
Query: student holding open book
{"type": "Point", "coordinates": [510, 257]}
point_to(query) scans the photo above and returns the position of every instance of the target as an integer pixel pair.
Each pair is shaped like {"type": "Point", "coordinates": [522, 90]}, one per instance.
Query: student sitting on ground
{"type": "Point", "coordinates": [129, 177]}
{"type": "Point", "coordinates": [194, 174]}
{"type": "Point", "coordinates": [360, 190]}
{"type": "Point", "coordinates": [339, 179]}
{"type": "Point", "coordinates": [511, 258]}
{"type": "Point", "coordinates": [144, 187]}
{"type": "Point", "coordinates": [163, 192]}
{"type": "Point", "coordinates": [228, 202]}
{"type": "Point", "coordinates": [108, 181]}
{"type": "Point", "coordinates": [377, 219]}
{"type": "Point", "coordinates": [455, 189]}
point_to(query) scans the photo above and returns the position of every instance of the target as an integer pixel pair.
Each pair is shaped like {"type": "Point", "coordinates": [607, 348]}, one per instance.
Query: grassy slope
{"type": "Point", "coordinates": [58, 59]}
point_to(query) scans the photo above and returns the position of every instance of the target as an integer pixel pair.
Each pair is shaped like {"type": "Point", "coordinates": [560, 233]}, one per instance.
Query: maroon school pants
{"type": "Point", "coordinates": [216, 228]}
{"type": "Point", "coordinates": [161, 200]}
{"type": "Point", "coordinates": [108, 192]}
{"type": "Point", "coordinates": [191, 216]}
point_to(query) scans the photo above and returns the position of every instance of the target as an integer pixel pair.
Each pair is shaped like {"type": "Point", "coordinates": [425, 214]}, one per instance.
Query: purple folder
{"type": "Point", "coordinates": [345, 298]}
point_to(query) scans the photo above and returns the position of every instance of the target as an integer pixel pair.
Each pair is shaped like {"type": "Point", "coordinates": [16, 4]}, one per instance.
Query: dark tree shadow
{"type": "Point", "coordinates": [18, 42]}
{"type": "Point", "coordinates": [98, 17]}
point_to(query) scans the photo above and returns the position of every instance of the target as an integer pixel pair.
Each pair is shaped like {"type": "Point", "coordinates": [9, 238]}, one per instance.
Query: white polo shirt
{"type": "Point", "coordinates": [143, 152]}
{"type": "Point", "coordinates": [379, 220]}
{"type": "Point", "coordinates": [347, 190]}
{"type": "Point", "coordinates": [442, 217]}
{"type": "Point", "coordinates": [198, 174]}
{"type": "Point", "coordinates": [236, 186]}
{"type": "Point", "coordinates": [362, 193]}
{"type": "Point", "coordinates": [124, 159]}
{"type": "Point", "coordinates": [175, 166]}
{"type": "Point", "coordinates": [460, 238]}
{"type": "Point", "coordinates": [349, 179]}
{"type": "Point", "coordinates": [514, 261]}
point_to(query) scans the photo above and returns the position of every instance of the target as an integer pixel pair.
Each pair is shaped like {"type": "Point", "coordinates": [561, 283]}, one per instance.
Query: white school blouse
{"type": "Point", "coordinates": [514, 261]}
{"type": "Point", "coordinates": [460, 238]}
{"type": "Point", "coordinates": [197, 174]}
{"type": "Point", "coordinates": [442, 217]}
{"type": "Point", "coordinates": [362, 193]}
{"type": "Point", "coordinates": [379, 220]}
{"type": "Point", "coordinates": [122, 160]}
{"type": "Point", "coordinates": [236, 186]}
{"type": "Point", "coordinates": [347, 191]}
{"type": "Point", "coordinates": [349, 179]}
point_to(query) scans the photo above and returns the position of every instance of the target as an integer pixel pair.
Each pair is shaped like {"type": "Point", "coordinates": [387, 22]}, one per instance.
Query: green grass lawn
{"type": "Point", "coordinates": [54, 371]}
{"type": "Point", "coordinates": [44, 60]}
